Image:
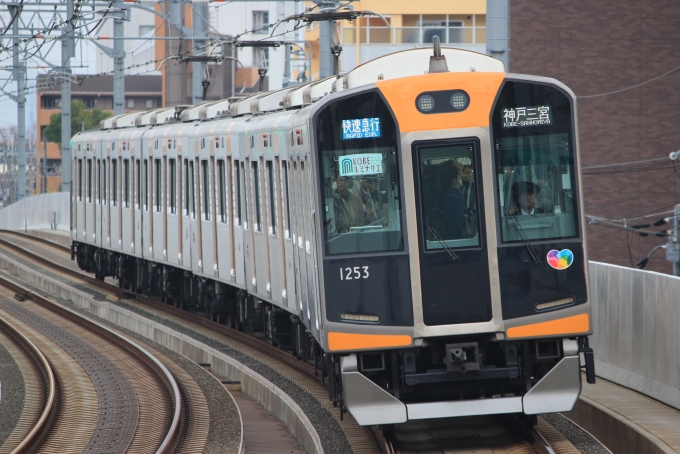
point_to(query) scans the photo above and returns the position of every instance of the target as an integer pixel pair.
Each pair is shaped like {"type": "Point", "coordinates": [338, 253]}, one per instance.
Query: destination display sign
{"type": "Point", "coordinates": [518, 117]}
{"type": "Point", "coordinates": [361, 128]}
{"type": "Point", "coordinates": [361, 164]}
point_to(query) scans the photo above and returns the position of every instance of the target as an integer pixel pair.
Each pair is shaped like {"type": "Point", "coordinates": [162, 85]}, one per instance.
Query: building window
{"type": "Point", "coordinates": [131, 103]}
{"type": "Point", "coordinates": [260, 22]}
{"type": "Point", "coordinates": [42, 132]}
{"type": "Point", "coordinates": [149, 103]}
{"type": "Point", "coordinates": [50, 102]}
{"type": "Point", "coordinates": [89, 102]}
{"type": "Point", "coordinates": [145, 30]}
{"type": "Point", "coordinates": [260, 57]}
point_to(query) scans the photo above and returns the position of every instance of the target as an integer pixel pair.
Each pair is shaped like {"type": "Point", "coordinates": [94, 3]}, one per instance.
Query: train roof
{"type": "Point", "coordinates": [405, 63]}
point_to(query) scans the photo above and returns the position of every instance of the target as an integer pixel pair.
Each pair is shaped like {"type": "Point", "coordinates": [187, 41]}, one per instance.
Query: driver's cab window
{"type": "Point", "coordinates": [448, 191]}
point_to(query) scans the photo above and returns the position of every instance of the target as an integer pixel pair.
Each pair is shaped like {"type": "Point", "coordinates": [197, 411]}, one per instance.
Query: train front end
{"type": "Point", "coordinates": [453, 257]}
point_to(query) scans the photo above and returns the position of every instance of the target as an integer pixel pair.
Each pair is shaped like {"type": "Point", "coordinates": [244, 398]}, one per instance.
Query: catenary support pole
{"type": "Point", "coordinates": [19, 75]}
{"type": "Point", "coordinates": [199, 17]}
{"type": "Point", "coordinates": [67, 51]}
{"type": "Point", "coordinates": [118, 63]}
{"type": "Point", "coordinates": [326, 38]}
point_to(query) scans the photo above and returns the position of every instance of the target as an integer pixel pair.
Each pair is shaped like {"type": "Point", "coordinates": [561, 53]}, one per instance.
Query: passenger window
{"type": "Point", "coordinates": [205, 189]}
{"type": "Point", "coordinates": [172, 171]}
{"type": "Point", "coordinates": [286, 165]}
{"type": "Point", "coordinates": [105, 194]}
{"type": "Point", "coordinates": [146, 185]}
{"type": "Point", "coordinates": [187, 191]}
{"type": "Point", "coordinates": [245, 195]}
{"type": "Point", "coordinates": [237, 193]}
{"type": "Point", "coordinates": [192, 189]}
{"type": "Point", "coordinates": [90, 183]}
{"type": "Point", "coordinates": [272, 198]}
{"type": "Point", "coordinates": [80, 180]}
{"type": "Point", "coordinates": [448, 196]}
{"type": "Point", "coordinates": [138, 192]}
{"type": "Point", "coordinates": [222, 189]}
{"type": "Point", "coordinates": [126, 183]}
{"type": "Point", "coordinates": [256, 195]}
{"type": "Point", "coordinates": [157, 177]}
{"type": "Point", "coordinates": [114, 182]}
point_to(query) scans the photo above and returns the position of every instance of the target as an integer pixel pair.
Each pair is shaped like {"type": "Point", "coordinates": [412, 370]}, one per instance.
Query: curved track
{"type": "Point", "coordinates": [128, 404]}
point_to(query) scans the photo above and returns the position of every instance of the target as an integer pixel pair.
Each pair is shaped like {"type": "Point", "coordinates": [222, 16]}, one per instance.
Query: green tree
{"type": "Point", "coordinates": [79, 117]}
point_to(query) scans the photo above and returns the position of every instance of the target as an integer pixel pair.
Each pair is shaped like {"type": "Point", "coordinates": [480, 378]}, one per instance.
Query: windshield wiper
{"type": "Point", "coordinates": [445, 246]}
{"type": "Point", "coordinates": [530, 248]}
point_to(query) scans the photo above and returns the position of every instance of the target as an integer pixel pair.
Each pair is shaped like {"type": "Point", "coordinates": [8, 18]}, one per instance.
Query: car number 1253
{"type": "Point", "coordinates": [358, 272]}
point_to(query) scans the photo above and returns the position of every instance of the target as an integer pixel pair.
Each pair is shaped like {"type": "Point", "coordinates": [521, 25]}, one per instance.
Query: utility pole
{"type": "Point", "coordinates": [326, 40]}
{"type": "Point", "coordinates": [19, 75]}
{"type": "Point", "coordinates": [67, 51]}
{"type": "Point", "coordinates": [43, 180]}
{"type": "Point", "coordinates": [118, 60]}
{"type": "Point", "coordinates": [199, 25]}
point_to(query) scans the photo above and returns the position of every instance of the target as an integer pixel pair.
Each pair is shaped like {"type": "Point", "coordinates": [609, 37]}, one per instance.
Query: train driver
{"type": "Point", "coordinates": [375, 202]}
{"type": "Point", "coordinates": [524, 195]}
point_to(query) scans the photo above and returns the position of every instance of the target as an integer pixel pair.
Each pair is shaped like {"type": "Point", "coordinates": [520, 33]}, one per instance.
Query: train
{"type": "Point", "coordinates": [414, 227]}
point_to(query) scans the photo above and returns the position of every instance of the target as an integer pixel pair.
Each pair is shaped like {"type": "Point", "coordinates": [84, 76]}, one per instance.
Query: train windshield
{"type": "Point", "coordinates": [357, 142]}
{"type": "Point", "coordinates": [535, 165]}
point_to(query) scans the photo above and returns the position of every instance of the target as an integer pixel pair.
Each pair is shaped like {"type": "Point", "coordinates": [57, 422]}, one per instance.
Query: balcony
{"type": "Point", "coordinates": [416, 36]}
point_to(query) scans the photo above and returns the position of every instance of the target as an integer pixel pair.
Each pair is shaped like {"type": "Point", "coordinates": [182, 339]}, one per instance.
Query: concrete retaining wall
{"type": "Point", "coordinates": [636, 325]}
{"type": "Point", "coordinates": [39, 212]}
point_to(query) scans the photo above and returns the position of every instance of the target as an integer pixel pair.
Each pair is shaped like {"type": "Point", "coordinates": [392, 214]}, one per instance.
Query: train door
{"type": "Point", "coordinates": [89, 192]}
{"type": "Point", "coordinates": [146, 157]}
{"type": "Point", "coordinates": [260, 249]}
{"type": "Point", "coordinates": [206, 237]}
{"type": "Point", "coordinates": [240, 219]}
{"type": "Point", "coordinates": [224, 244]}
{"type": "Point", "coordinates": [301, 273]}
{"type": "Point", "coordinates": [172, 233]}
{"type": "Point", "coordinates": [188, 211]}
{"type": "Point", "coordinates": [98, 196]}
{"type": "Point", "coordinates": [114, 209]}
{"type": "Point", "coordinates": [454, 266]}
{"type": "Point", "coordinates": [310, 246]}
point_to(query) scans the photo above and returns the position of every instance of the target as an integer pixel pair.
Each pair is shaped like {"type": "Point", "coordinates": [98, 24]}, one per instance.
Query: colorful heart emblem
{"type": "Point", "coordinates": [560, 260]}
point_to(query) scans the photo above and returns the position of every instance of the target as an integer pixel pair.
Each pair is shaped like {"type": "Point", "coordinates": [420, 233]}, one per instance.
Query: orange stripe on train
{"type": "Point", "coordinates": [401, 95]}
{"type": "Point", "coordinates": [569, 325]}
{"type": "Point", "coordinates": [348, 341]}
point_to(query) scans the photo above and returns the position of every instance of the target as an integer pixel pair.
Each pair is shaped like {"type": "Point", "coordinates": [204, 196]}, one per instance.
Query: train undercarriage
{"type": "Point", "coordinates": [440, 377]}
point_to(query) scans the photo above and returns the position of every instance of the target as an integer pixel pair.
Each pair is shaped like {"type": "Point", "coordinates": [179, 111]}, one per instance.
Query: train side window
{"type": "Point", "coordinates": [186, 188]}
{"type": "Point", "coordinates": [98, 184]}
{"type": "Point", "coordinates": [105, 194]}
{"type": "Point", "coordinates": [126, 183]}
{"type": "Point", "coordinates": [237, 193]}
{"type": "Point", "coordinates": [192, 189]}
{"type": "Point", "coordinates": [138, 189]}
{"type": "Point", "coordinates": [285, 166]}
{"type": "Point", "coordinates": [172, 195]}
{"type": "Point", "coordinates": [114, 182]}
{"type": "Point", "coordinates": [272, 198]}
{"type": "Point", "coordinates": [205, 188]}
{"type": "Point", "coordinates": [245, 195]}
{"type": "Point", "coordinates": [158, 174]}
{"type": "Point", "coordinates": [90, 183]}
{"type": "Point", "coordinates": [221, 191]}
{"type": "Point", "coordinates": [146, 185]}
{"type": "Point", "coordinates": [80, 180]}
{"type": "Point", "coordinates": [256, 196]}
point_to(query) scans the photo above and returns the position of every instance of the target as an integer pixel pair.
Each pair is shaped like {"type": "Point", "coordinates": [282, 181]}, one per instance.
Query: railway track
{"type": "Point", "coordinates": [502, 435]}
{"type": "Point", "coordinates": [109, 394]}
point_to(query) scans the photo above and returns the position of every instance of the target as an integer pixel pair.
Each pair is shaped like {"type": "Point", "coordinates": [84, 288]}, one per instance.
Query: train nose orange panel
{"type": "Point", "coordinates": [575, 324]}
{"type": "Point", "coordinates": [349, 341]}
{"type": "Point", "coordinates": [401, 95]}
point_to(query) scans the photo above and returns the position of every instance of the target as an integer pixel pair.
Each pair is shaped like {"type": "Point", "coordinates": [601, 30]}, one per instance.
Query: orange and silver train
{"type": "Point", "coordinates": [414, 226]}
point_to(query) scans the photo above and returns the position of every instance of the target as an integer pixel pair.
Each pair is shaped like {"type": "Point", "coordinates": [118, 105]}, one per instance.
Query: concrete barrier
{"type": "Point", "coordinates": [40, 212]}
{"type": "Point", "coordinates": [636, 330]}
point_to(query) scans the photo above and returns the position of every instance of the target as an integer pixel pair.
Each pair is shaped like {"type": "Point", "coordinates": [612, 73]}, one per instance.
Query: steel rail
{"type": "Point", "coordinates": [41, 426]}
{"type": "Point", "coordinates": [172, 437]}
